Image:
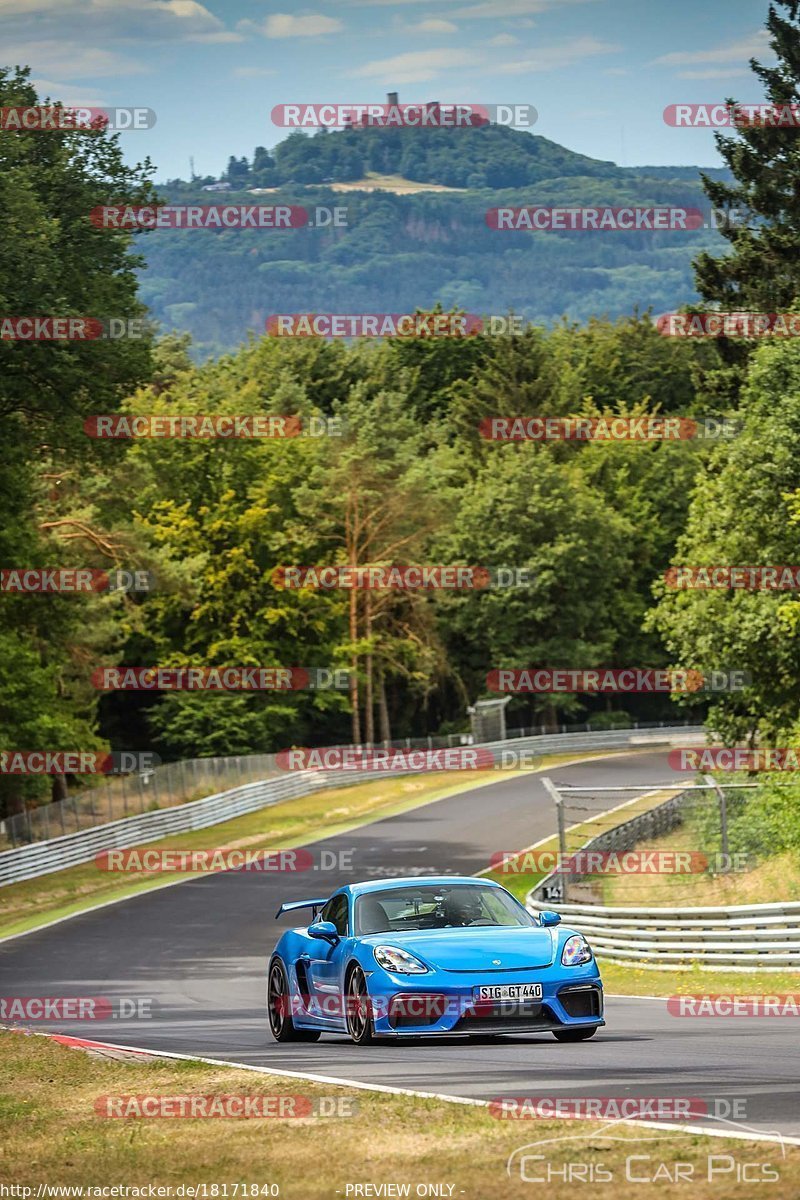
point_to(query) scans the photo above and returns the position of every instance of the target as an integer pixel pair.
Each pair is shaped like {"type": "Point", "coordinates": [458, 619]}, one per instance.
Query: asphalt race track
{"type": "Point", "coordinates": [199, 949]}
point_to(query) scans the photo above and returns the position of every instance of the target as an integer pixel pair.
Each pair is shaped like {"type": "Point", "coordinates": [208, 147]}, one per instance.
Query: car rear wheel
{"type": "Point", "coordinates": [281, 1025]}
{"type": "Point", "coordinates": [574, 1035]}
{"type": "Point", "coordinates": [359, 1009]}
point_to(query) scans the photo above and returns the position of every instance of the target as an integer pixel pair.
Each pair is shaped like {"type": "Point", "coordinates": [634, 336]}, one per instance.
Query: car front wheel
{"type": "Point", "coordinates": [359, 1009]}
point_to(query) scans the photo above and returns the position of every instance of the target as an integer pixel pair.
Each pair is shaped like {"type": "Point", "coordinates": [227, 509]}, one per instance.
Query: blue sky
{"type": "Point", "coordinates": [599, 72]}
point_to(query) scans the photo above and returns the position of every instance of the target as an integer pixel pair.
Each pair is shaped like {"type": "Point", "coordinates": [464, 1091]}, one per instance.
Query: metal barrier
{"type": "Point", "coordinates": [41, 858]}
{"type": "Point", "coordinates": [192, 779]}
{"type": "Point", "coordinates": [745, 937]}
{"type": "Point", "coordinates": [750, 937]}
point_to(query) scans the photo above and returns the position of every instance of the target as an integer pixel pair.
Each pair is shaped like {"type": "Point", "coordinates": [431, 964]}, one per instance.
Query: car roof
{"type": "Point", "coordinates": [379, 885]}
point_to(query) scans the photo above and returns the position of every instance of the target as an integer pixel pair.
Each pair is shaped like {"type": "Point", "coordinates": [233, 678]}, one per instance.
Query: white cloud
{"type": "Point", "coordinates": [252, 72]}
{"type": "Point", "coordinates": [492, 8]}
{"type": "Point", "coordinates": [221, 37]}
{"type": "Point", "coordinates": [714, 73]}
{"type": "Point", "coordinates": [286, 25]}
{"type": "Point", "coordinates": [69, 94]}
{"type": "Point", "coordinates": [417, 66]}
{"type": "Point", "coordinates": [129, 20]}
{"type": "Point", "coordinates": [27, 7]}
{"type": "Point", "coordinates": [552, 58]}
{"type": "Point", "coordinates": [504, 39]}
{"type": "Point", "coordinates": [432, 26]}
{"type": "Point", "coordinates": [497, 9]}
{"type": "Point", "coordinates": [736, 53]}
{"type": "Point", "coordinates": [70, 60]}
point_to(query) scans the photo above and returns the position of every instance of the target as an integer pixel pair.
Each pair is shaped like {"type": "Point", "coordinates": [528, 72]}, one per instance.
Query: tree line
{"type": "Point", "coordinates": [410, 479]}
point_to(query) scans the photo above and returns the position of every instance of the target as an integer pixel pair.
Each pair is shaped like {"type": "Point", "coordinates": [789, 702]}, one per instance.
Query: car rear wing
{"type": "Point", "coordinates": [293, 905]}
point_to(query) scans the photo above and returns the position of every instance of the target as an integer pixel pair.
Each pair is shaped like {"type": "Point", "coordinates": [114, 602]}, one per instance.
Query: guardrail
{"type": "Point", "coordinates": [749, 937]}
{"type": "Point", "coordinates": [44, 857]}
{"type": "Point", "coordinates": [744, 937]}
{"type": "Point", "coordinates": [174, 783]}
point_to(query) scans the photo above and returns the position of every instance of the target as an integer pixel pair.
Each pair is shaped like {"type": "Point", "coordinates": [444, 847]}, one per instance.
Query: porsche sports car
{"type": "Point", "coordinates": [441, 955]}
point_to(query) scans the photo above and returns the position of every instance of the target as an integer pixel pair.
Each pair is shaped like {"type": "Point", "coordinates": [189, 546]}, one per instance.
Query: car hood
{"type": "Point", "coordinates": [476, 949]}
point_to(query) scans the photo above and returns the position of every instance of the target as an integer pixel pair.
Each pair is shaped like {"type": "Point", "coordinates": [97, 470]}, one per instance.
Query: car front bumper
{"type": "Point", "coordinates": [445, 1003]}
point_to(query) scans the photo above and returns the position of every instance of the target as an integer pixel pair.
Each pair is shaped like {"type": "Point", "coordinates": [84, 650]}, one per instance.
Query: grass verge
{"type": "Point", "coordinates": [52, 1134]}
{"type": "Point", "coordinates": [771, 881]}
{"type": "Point", "coordinates": [630, 980]}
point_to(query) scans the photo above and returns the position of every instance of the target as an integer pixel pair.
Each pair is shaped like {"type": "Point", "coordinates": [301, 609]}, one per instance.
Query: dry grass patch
{"type": "Point", "coordinates": [52, 1134]}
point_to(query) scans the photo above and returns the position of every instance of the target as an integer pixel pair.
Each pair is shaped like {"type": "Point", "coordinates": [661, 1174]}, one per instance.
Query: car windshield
{"type": "Point", "coordinates": [437, 906]}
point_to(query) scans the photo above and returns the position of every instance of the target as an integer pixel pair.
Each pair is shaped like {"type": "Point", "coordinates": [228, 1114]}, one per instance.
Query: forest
{"type": "Point", "coordinates": [389, 464]}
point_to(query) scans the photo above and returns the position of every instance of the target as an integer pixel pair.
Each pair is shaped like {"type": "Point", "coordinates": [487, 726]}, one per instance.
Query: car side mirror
{"type": "Point", "coordinates": [325, 931]}
{"type": "Point", "coordinates": [549, 918]}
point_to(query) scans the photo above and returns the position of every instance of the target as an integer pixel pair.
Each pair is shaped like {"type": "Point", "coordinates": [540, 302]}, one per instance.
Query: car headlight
{"type": "Point", "coordinates": [576, 951]}
{"type": "Point", "coordinates": [392, 958]}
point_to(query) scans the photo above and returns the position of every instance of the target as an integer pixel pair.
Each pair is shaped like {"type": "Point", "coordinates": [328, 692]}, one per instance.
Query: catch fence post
{"type": "Point", "coordinates": [551, 788]}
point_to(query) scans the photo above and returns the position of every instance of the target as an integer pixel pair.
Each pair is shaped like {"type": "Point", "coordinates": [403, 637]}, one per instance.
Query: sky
{"type": "Point", "coordinates": [599, 72]}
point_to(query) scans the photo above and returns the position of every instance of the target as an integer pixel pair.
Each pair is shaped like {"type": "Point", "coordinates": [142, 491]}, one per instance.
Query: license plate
{"type": "Point", "coordinates": [509, 991]}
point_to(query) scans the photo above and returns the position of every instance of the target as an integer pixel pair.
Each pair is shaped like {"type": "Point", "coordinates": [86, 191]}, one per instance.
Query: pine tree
{"type": "Point", "coordinates": [762, 271]}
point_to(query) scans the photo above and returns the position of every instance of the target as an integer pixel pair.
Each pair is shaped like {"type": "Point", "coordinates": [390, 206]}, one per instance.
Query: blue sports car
{"type": "Point", "coordinates": [443, 955]}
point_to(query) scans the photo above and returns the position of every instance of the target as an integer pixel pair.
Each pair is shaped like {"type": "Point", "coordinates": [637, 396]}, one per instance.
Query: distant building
{"type": "Point", "coordinates": [392, 101]}
{"type": "Point", "coordinates": [217, 187]}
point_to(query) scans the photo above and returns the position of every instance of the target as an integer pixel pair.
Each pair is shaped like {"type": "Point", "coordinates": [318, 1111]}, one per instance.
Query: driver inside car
{"type": "Point", "coordinates": [462, 909]}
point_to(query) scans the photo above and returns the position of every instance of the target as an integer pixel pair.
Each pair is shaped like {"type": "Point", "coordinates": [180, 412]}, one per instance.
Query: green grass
{"type": "Point", "coordinates": [52, 1134]}
{"type": "Point", "coordinates": [630, 980]}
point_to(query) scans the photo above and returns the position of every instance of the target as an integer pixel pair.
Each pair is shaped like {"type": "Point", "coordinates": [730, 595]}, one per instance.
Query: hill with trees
{"type": "Point", "coordinates": [402, 252]}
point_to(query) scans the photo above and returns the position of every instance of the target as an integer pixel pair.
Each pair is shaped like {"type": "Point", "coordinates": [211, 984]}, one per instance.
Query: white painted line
{"type": "Point", "coordinates": [386, 1089]}
{"type": "Point", "coordinates": [628, 996]}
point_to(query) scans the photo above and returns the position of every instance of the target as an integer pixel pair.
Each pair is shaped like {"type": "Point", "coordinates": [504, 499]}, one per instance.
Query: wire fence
{"type": "Point", "coordinates": [129, 795]}
{"type": "Point", "coordinates": [176, 783]}
{"type": "Point", "coordinates": [711, 829]}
